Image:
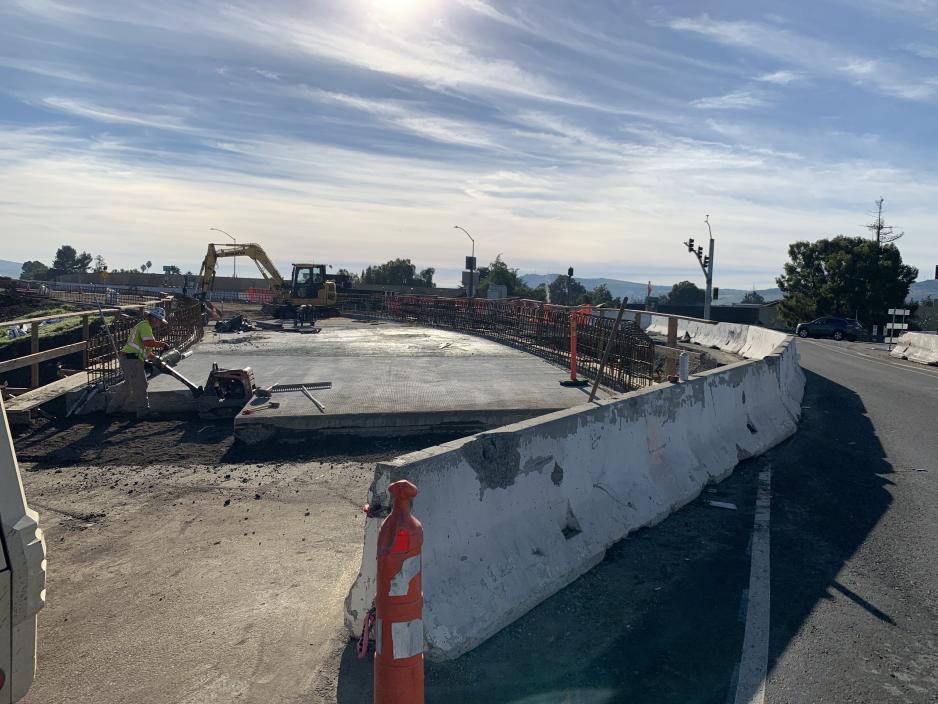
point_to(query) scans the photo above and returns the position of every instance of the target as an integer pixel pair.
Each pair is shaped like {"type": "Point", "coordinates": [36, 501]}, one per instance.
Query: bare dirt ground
{"type": "Point", "coordinates": [184, 569]}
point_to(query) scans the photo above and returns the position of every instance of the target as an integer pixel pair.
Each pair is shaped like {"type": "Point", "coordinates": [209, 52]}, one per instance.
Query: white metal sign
{"type": "Point", "coordinates": [899, 311]}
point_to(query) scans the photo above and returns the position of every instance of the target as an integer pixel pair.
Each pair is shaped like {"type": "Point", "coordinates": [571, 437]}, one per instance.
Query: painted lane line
{"type": "Point", "coordinates": [753, 662]}
{"type": "Point", "coordinates": [932, 375]}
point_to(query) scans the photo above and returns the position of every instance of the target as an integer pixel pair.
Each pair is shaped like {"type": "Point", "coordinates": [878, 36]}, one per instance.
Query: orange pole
{"type": "Point", "coordinates": [572, 346]}
{"type": "Point", "coordinates": [398, 675]}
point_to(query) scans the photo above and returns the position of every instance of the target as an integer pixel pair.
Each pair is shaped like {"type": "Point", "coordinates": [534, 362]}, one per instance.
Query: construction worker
{"type": "Point", "coordinates": [141, 344]}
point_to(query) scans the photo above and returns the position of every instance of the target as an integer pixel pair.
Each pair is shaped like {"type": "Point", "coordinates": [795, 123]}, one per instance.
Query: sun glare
{"type": "Point", "coordinates": [399, 7]}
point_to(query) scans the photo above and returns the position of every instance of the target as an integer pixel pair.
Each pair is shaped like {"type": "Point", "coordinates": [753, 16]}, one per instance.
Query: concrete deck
{"type": "Point", "coordinates": [387, 379]}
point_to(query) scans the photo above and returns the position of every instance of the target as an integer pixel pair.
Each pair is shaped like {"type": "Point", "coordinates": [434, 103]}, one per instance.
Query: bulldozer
{"type": "Point", "coordinates": [308, 285]}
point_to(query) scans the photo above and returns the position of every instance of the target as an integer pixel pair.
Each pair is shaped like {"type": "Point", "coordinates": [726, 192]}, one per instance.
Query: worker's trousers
{"type": "Point", "coordinates": [131, 396]}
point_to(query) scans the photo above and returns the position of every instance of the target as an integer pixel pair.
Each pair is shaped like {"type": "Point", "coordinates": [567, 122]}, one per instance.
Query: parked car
{"type": "Point", "coordinates": [829, 326]}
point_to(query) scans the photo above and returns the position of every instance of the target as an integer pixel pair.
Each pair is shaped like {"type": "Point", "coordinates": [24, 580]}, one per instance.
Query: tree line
{"type": "Point", "coordinates": [68, 260]}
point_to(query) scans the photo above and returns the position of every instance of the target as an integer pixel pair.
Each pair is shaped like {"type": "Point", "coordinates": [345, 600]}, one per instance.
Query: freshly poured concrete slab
{"type": "Point", "coordinates": [387, 379]}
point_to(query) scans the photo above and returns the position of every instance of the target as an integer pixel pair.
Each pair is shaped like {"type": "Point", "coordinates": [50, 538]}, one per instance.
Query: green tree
{"type": "Point", "coordinates": [68, 261]}
{"type": "Point", "coordinates": [173, 269]}
{"type": "Point", "coordinates": [354, 278]}
{"type": "Point", "coordinates": [397, 272]}
{"type": "Point", "coordinates": [565, 290]}
{"type": "Point", "coordinates": [847, 276]}
{"type": "Point", "coordinates": [99, 264]}
{"type": "Point", "coordinates": [500, 274]}
{"type": "Point", "coordinates": [34, 271]}
{"type": "Point", "coordinates": [684, 293]}
{"type": "Point", "coordinates": [426, 278]}
{"type": "Point", "coordinates": [753, 297]}
{"type": "Point", "coordinates": [600, 296]}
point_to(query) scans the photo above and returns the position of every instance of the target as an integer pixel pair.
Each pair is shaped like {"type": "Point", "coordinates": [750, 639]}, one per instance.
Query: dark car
{"type": "Point", "coordinates": [829, 326]}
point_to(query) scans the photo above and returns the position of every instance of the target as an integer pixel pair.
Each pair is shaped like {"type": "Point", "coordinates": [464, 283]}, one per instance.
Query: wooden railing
{"type": "Point", "coordinates": [36, 356]}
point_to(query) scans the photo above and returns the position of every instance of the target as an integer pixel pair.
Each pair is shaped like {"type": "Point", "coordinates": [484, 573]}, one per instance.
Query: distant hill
{"type": "Point", "coordinates": [921, 289]}
{"type": "Point", "coordinates": [637, 291]}
{"type": "Point", "coordinates": [11, 269]}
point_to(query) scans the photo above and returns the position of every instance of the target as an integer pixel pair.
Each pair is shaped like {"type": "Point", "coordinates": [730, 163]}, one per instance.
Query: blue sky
{"type": "Point", "coordinates": [592, 134]}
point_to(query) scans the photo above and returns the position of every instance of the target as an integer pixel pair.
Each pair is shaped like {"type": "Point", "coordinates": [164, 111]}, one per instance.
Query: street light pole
{"type": "Point", "coordinates": [706, 265]}
{"type": "Point", "coordinates": [234, 260]}
{"type": "Point", "coordinates": [472, 283]}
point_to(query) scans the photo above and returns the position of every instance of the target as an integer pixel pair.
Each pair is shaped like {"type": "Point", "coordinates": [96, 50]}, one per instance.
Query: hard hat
{"type": "Point", "coordinates": [158, 313]}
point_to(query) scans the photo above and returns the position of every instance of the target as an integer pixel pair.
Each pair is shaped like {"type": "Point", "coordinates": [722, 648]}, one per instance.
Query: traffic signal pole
{"type": "Point", "coordinates": [709, 273]}
{"type": "Point", "coordinates": [706, 265]}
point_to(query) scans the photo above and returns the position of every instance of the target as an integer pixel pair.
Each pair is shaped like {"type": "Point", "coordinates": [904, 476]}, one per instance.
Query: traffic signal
{"type": "Point", "coordinates": [570, 272]}
{"type": "Point", "coordinates": [716, 292]}
{"type": "Point", "coordinates": [706, 262]}
{"type": "Point", "coordinates": [690, 248]}
{"type": "Point", "coordinates": [699, 251]}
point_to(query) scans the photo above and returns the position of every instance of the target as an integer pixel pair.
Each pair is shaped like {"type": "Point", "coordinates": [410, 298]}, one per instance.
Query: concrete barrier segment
{"type": "Point", "coordinates": [514, 514]}
{"type": "Point", "coordinates": [917, 347]}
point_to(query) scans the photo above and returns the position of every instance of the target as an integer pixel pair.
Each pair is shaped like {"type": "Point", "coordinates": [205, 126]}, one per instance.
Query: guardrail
{"type": "Point", "coordinates": [535, 327]}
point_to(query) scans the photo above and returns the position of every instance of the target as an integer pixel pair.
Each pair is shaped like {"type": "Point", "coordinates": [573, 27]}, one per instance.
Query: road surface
{"type": "Point", "coordinates": [842, 607]}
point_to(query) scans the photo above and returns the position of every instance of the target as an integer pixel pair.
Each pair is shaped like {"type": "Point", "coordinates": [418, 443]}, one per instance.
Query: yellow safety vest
{"type": "Point", "coordinates": [141, 332]}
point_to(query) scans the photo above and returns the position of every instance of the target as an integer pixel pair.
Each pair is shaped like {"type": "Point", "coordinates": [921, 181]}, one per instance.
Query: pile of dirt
{"type": "Point", "coordinates": [14, 306]}
{"type": "Point", "coordinates": [127, 441]}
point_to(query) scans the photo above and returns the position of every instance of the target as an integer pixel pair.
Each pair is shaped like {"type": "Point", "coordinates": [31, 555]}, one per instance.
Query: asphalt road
{"type": "Point", "coordinates": [855, 534]}
{"type": "Point", "coordinates": [849, 598]}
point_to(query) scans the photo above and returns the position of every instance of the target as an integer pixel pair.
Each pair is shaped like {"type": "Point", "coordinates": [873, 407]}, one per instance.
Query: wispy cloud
{"type": "Point", "coordinates": [781, 78]}
{"type": "Point", "coordinates": [737, 100]}
{"type": "Point", "coordinates": [815, 55]}
{"type": "Point", "coordinates": [535, 124]}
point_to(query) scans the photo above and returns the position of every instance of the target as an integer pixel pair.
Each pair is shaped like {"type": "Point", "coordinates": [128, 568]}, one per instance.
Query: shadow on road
{"type": "Point", "coordinates": [829, 492]}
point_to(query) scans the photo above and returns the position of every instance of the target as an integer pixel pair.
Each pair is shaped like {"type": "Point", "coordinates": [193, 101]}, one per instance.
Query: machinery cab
{"type": "Point", "coordinates": [309, 285]}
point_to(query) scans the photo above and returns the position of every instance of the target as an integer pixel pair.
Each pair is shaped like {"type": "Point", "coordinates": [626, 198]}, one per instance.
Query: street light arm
{"type": "Point", "coordinates": [457, 227]}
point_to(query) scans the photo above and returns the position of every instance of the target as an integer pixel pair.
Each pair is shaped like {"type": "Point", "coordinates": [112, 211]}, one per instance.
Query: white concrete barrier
{"type": "Point", "coordinates": [917, 347]}
{"type": "Point", "coordinates": [513, 515]}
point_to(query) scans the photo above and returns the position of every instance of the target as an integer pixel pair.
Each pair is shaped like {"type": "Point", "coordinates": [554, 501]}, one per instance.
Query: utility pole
{"type": "Point", "coordinates": [706, 265]}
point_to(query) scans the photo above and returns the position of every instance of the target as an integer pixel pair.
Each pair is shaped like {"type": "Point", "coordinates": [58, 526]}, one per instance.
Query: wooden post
{"type": "Point", "coordinates": [672, 342]}
{"type": "Point", "coordinates": [34, 330]}
{"type": "Point", "coordinates": [86, 336]}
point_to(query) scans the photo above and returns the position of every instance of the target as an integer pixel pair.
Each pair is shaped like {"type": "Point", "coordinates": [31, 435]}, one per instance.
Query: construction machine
{"type": "Point", "coordinates": [308, 286]}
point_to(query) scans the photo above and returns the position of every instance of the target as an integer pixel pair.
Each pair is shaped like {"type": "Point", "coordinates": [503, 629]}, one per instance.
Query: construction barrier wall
{"type": "Point", "coordinates": [514, 514]}
{"type": "Point", "coordinates": [917, 347]}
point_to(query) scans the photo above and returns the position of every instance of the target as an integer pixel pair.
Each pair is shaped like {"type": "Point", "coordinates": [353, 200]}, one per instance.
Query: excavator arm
{"type": "Point", "coordinates": [254, 251]}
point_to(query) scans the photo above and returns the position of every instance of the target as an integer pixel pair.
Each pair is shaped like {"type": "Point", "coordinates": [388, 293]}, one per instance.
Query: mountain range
{"type": "Point", "coordinates": [11, 269]}
{"type": "Point", "coordinates": [637, 291]}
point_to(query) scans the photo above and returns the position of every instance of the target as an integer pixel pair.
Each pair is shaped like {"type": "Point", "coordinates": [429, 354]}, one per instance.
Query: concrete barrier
{"type": "Point", "coordinates": [513, 515]}
{"type": "Point", "coordinates": [917, 347]}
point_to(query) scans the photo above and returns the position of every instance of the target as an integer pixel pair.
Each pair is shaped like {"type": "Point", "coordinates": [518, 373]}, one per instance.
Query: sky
{"type": "Point", "coordinates": [588, 134]}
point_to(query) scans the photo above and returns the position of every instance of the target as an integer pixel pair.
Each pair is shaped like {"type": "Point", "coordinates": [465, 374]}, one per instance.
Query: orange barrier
{"type": "Point", "coordinates": [260, 295]}
{"type": "Point", "coordinates": [399, 603]}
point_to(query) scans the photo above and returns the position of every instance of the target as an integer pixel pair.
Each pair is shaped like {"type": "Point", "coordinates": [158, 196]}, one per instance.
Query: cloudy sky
{"type": "Point", "coordinates": [593, 134]}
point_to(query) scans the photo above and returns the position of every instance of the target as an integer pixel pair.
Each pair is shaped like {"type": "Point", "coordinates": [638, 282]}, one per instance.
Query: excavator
{"type": "Point", "coordinates": [308, 285]}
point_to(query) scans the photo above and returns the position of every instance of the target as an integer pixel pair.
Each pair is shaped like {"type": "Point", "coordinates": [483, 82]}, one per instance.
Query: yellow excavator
{"type": "Point", "coordinates": [308, 285]}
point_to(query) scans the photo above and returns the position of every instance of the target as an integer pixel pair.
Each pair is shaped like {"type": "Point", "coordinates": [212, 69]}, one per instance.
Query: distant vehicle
{"type": "Point", "coordinates": [829, 326]}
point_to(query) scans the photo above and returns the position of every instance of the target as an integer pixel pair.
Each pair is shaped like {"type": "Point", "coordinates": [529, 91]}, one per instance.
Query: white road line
{"type": "Point", "coordinates": [893, 365]}
{"type": "Point", "coordinates": [750, 687]}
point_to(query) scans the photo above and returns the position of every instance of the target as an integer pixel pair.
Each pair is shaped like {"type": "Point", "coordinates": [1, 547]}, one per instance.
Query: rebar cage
{"type": "Point", "coordinates": [183, 330]}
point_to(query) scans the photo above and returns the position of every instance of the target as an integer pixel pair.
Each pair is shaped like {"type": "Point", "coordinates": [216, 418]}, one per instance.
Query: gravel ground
{"type": "Point", "coordinates": [183, 568]}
